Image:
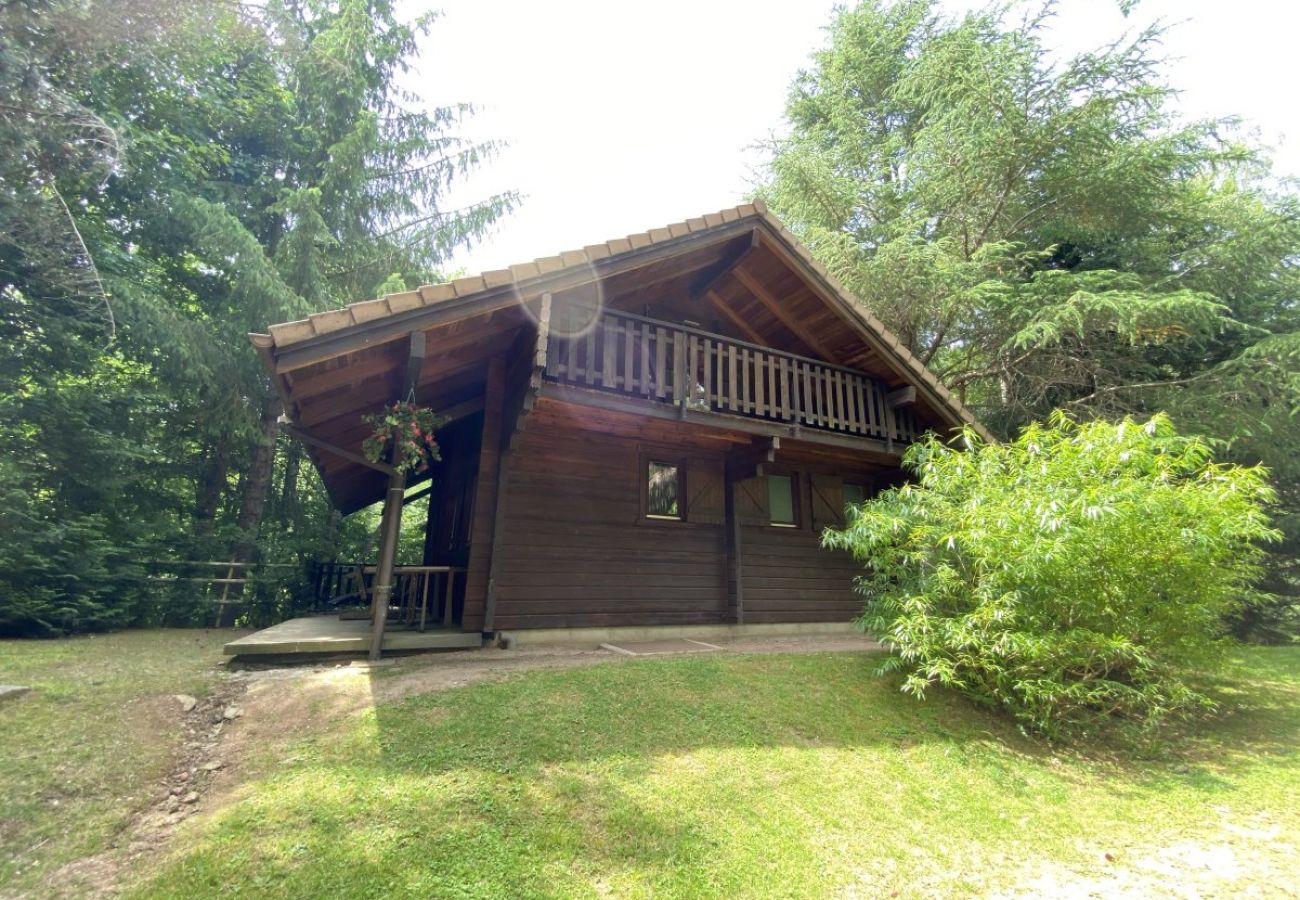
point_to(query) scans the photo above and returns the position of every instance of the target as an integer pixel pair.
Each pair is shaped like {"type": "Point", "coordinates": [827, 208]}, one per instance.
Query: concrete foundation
{"type": "Point", "coordinates": [594, 637]}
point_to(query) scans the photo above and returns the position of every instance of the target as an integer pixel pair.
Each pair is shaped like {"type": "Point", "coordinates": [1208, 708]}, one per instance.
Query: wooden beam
{"type": "Point", "coordinates": [414, 363]}
{"type": "Point", "coordinates": [418, 495]}
{"type": "Point", "coordinates": [750, 462]}
{"type": "Point", "coordinates": [902, 396]}
{"type": "Point", "coordinates": [533, 387]}
{"type": "Point", "coordinates": [349, 418]}
{"type": "Point", "coordinates": [498, 527]}
{"type": "Point", "coordinates": [715, 276]}
{"type": "Point", "coordinates": [314, 441]}
{"type": "Point", "coordinates": [889, 349]}
{"type": "Point", "coordinates": [773, 305]}
{"type": "Point", "coordinates": [543, 333]}
{"type": "Point", "coordinates": [735, 318]}
{"type": "Point", "coordinates": [565, 393]}
{"type": "Point", "coordinates": [461, 410]}
{"type": "Point", "coordinates": [486, 495]}
{"type": "Point", "coordinates": [386, 328]}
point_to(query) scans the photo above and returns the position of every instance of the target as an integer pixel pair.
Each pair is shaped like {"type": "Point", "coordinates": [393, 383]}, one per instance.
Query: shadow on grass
{"type": "Point", "coordinates": [704, 776]}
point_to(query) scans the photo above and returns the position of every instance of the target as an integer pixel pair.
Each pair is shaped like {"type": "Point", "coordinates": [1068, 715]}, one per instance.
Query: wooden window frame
{"type": "Point", "coordinates": [796, 500]}
{"type": "Point", "coordinates": [645, 458]}
{"type": "Point", "coordinates": [844, 485]}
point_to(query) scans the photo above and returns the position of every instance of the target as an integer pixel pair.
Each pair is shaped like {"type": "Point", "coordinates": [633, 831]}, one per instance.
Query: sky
{"type": "Point", "coordinates": [619, 117]}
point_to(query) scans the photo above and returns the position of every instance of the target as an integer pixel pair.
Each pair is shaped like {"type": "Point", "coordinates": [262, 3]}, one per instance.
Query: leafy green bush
{"type": "Point", "coordinates": [1075, 576]}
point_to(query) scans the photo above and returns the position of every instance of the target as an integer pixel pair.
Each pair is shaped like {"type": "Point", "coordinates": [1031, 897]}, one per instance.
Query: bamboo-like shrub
{"type": "Point", "coordinates": [1075, 576]}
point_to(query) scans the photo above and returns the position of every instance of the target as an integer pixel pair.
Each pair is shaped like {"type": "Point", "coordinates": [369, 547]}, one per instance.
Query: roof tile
{"type": "Point", "coordinates": [404, 301]}
{"type": "Point", "coordinates": [332, 321]}
{"type": "Point", "coordinates": [524, 271]}
{"type": "Point", "coordinates": [548, 264]}
{"type": "Point", "coordinates": [371, 309]}
{"type": "Point", "coordinates": [470, 285]}
{"type": "Point", "coordinates": [436, 293]}
{"type": "Point", "coordinates": [292, 331]}
{"type": "Point", "coordinates": [498, 278]}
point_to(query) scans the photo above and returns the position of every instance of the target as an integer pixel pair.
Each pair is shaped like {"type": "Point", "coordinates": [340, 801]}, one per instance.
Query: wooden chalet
{"type": "Point", "coordinates": [650, 431]}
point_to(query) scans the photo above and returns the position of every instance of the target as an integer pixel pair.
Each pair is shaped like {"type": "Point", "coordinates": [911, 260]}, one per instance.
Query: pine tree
{"type": "Point", "coordinates": [1048, 234]}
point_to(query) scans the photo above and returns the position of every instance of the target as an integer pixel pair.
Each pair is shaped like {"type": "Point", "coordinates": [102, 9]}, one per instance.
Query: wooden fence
{"type": "Point", "coordinates": [221, 581]}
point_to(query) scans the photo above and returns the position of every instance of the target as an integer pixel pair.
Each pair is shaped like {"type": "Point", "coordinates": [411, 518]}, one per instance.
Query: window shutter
{"type": "Point", "coordinates": [704, 487]}
{"type": "Point", "coordinates": [751, 502]}
{"type": "Point", "coordinates": [827, 502]}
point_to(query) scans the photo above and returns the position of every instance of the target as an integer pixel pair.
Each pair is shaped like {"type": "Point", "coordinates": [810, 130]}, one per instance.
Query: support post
{"type": "Point", "coordinates": [390, 526]}
{"type": "Point", "coordinates": [485, 499]}
{"type": "Point", "coordinates": [498, 528]}
{"type": "Point", "coordinates": [389, 529]}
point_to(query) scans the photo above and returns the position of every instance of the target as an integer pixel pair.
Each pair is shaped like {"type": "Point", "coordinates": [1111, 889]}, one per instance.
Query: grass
{"type": "Point", "coordinates": [729, 775]}
{"type": "Point", "coordinates": [82, 753]}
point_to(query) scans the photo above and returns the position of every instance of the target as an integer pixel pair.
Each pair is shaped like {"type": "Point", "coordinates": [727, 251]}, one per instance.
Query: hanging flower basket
{"type": "Point", "coordinates": [408, 428]}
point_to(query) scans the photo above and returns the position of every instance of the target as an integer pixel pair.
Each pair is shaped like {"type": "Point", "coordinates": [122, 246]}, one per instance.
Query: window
{"type": "Point", "coordinates": [663, 490]}
{"type": "Point", "coordinates": [854, 494]}
{"type": "Point", "coordinates": [780, 501]}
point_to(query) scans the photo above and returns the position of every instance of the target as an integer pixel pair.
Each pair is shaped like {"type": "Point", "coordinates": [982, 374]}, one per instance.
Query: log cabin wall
{"type": "Point", "coordinates": [577, 549]}
{"type": "Point", "coordinates": [788, 576]}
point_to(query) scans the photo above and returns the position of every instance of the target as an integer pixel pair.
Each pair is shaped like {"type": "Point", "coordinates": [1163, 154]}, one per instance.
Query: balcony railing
{"type": "Point", "coordinates": [635, 356]}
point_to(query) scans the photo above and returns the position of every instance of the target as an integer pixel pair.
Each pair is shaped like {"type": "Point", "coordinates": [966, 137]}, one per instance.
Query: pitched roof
{"type": "Point", "coordinates": [529, 277]}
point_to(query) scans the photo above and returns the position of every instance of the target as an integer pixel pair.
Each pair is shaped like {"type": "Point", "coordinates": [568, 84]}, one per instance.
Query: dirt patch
{"type": "Point", "coordinates": [198, 762]}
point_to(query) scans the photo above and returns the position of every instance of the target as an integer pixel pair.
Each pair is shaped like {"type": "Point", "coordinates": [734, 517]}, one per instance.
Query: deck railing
{"type": "Point", "coordinates": [418, 591]}
{"type": "Point", "coordinates": [697, 370]}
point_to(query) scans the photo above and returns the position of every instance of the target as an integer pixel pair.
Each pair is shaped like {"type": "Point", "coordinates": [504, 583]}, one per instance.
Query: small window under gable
{"type": "Point", "coordinates": [663, 490]}
{"type": "Point", "coordinates": [780, 501]}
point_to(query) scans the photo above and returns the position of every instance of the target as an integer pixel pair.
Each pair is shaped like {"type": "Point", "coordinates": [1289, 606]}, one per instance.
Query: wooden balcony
{"type": "Point", "coordinates": [701, 372]}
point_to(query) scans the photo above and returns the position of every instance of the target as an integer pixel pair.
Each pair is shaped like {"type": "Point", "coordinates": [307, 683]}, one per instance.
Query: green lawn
{"type": "Point", "coordinates": [764, 775]}
{"type": "Point", "coordinates": [81, 755]}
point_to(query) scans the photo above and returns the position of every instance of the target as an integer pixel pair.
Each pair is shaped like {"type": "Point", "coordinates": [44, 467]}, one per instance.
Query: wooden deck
{"type": "Point", "coordinates": [330, 634]}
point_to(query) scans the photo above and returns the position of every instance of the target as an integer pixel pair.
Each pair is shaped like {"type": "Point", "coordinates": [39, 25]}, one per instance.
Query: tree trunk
{"type": "Point", "coordinates": [255, 486]}
{"type": "Point", "coordinates": [213, 482]}
{"type": "Point", "coordinates": [289, 490]}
